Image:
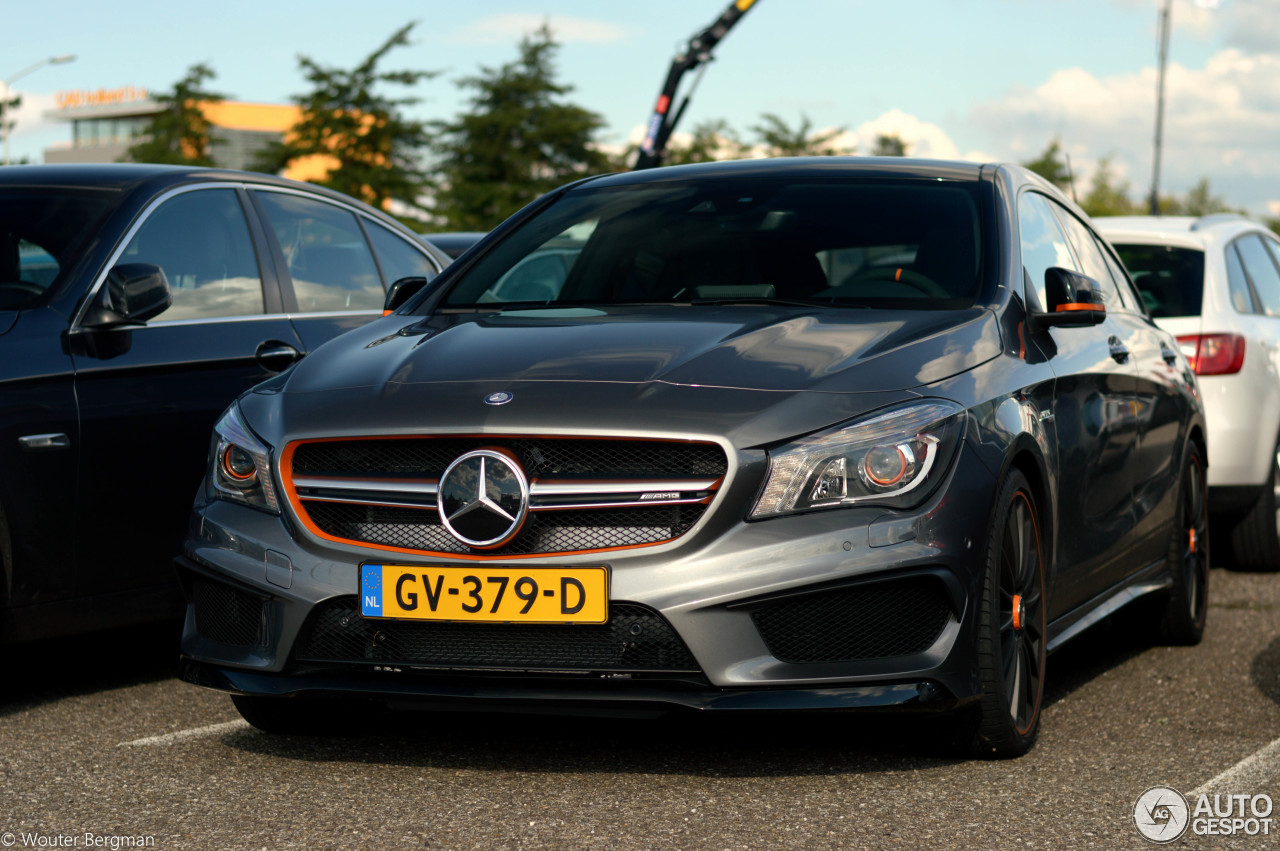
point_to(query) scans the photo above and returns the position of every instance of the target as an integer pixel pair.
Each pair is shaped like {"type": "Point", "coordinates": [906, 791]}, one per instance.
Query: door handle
{"type": "Point", "coordinates": [276, 355]}
{"type": "Point", "coordinates": [42, 442]}
{"type": "Point", "coordinates": [1119, 353]}
{"type": "Point", "coordinates": [1170, 356]}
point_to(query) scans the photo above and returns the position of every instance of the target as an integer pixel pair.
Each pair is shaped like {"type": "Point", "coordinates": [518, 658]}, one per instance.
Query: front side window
{"type": "Point", "coordinates": [397, 257]}
{"type": "Point", "coordinates": [873, 243]}
{"type": "Point", "coordinates": [1092, 261]}
{"type": "Point", "coordinates": [1170, 280]}
{"type": "Point", "coordinates": [327, 256]}
{"type": "Point", "coordinates": [1044, 245]}
{"type": "Point", "coordinates": [201, 241]}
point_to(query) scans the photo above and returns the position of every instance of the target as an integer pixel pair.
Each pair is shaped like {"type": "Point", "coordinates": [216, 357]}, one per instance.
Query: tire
{"type": "Point", "coordinates": [1010, 634]}
{"type": "Point", "coordinates": [298, 716]}
{"type": "Point", "coordinates": [1183, 618]}
{"type": "Point", "coordinates": [1255, 540]}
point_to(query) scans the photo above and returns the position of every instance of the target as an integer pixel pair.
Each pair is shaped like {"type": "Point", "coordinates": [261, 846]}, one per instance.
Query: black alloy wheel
{"type": "Point", "coordinates": [1011, 634]}
{"type": "Point", "coordinates": [1183, 619]}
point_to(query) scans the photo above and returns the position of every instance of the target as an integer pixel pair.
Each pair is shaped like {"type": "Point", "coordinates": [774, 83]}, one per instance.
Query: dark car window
{"type": "Point", "coordinates": [1262, 272]}
{"type": "Point", "coordinates": [1171, 280]}
{"type": "Point", "coordinates": [41, 229]}
{"type": "Point", "coordinates": [328, 258]}
{"type": "Point", "coordinates": [397, 257]}
{"type": "Point", "coordinates": [1091, 259]}
{"type": "Point", "coordinates": [1242, 298]}
{"type": "Point", "coordinates": [1128, 293]}
{"type": "Point", "coordinates": [201, 241]}
{"type": "Point", "coordinates": [904, 244]}
{"type": "Point", "coordinates": [1044, 245]}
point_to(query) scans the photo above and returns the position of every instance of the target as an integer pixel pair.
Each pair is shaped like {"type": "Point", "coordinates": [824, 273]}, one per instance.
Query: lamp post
{"type": "Point", "coordinates": [9, 81]}
{"type": "Point", "coordinates": [1164, 56]}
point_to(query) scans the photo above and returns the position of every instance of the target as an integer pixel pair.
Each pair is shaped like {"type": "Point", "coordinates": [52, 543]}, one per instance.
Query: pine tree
{"type": "Point", "coordinates": [179, 134]}
{"type": "Point", "coordinates": [518, 140]}
{"type": "Point", "coordinates": [1052, 165]}
{"type": "Point", "coordinates": [376, 146]}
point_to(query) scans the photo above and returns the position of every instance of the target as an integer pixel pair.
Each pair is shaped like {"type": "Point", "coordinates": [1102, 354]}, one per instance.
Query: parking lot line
{"type": "Point", "coordinates": [1248, 774]}
{"type": "Point", "coordinates": [193, 733]}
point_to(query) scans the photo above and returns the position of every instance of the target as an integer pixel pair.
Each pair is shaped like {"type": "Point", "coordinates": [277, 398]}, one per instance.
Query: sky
{"type": "Point", "coordinates": [992, 80]}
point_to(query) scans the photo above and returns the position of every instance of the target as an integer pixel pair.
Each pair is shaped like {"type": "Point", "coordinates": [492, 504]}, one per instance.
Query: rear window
{"type": "Point", "coordinates": [883, 243]}
{"type": "Point", "coordinates": [1170, 280]}
{"type": "Point", "coordinates": [41, 229]}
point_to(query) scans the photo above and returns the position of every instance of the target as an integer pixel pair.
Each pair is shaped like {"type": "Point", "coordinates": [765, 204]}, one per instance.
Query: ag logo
{"type": "Point", "coordinates": [1161, 814]}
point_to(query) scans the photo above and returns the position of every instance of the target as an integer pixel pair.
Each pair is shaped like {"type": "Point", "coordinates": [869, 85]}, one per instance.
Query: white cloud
{"type": "Point", "coordinates": [29, 117]}
{"type": "Point", "coordinates": [501, 29]}
{"type": "Point", "coordinates": [1221, 121]}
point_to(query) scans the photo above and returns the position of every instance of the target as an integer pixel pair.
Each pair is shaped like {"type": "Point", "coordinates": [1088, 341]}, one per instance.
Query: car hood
{"type": "Point", "coordinates": [728, 370]}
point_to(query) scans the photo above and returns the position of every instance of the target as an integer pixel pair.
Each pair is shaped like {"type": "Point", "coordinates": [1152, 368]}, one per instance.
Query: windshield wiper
{"type": "Point", "coordinates": [787, 302]}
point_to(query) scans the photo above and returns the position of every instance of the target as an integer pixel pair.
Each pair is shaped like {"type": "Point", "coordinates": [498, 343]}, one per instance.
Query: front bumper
{"type": "Point", "coordinates": [709, 587]}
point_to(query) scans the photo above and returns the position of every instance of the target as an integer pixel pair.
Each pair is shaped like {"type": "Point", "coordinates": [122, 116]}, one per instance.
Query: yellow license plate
{"type": "Point", "coordinates": [485, 594]}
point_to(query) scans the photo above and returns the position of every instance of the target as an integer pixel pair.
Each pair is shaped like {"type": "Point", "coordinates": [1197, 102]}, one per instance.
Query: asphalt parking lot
{"type": "Point", "coordinates": [100, 745]}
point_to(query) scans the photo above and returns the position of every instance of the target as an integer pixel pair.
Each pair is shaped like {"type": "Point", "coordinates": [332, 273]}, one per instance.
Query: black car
{"type": "Point", "coordinates": [136, 302]}
{"type": "Point", "coordinates": [796, 434]}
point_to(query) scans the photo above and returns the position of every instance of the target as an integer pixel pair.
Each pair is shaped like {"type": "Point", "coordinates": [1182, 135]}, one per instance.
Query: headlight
{"type": "Point", "coordinates": [895, 458]}
{"type": "Point", "coordinates": [240, 465]}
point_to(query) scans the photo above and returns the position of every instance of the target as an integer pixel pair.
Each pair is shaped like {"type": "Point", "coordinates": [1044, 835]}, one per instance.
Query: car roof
{"type": "Point", "coordinates": [1190, 230]}
{"type": "Point", "coordinates": [802, 167]}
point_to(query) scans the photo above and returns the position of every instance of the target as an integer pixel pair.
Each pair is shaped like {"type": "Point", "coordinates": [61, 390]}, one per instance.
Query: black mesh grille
{"type": "Point", "coordinates": [228, 615]}
{"type": "Point", "coordinates": [540, 457]}
{"type": "Point", "coordinates": [894, 618]}
{"type": "Point", "coordinates": [635, 639]}
{"type": "Point", "coordinates": [544, 532]}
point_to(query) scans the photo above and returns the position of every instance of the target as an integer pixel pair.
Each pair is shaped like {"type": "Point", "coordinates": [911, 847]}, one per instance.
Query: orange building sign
{"type": "Point", "coordinates": [99, 97]}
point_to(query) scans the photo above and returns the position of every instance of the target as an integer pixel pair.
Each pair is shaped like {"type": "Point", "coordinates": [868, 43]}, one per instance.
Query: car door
{"type": "Point", "coordinates": [150, 395]}
{"type": "Point", "coordinates": [336, 263]}
{"type": "Point", "coordinates": [1158, 408]}
{"type": "Point", "coordinates": [1092, 416]}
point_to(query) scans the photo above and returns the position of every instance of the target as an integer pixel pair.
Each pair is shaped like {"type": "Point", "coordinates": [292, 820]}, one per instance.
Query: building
{"type": "Point", "coordinates": [106, 122]}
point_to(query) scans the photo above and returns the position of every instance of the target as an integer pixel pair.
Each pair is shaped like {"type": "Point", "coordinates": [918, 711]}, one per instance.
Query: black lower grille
{"type": "Point", "coordinates": [635, 639]}
{"type": "Point", "coordinates": [898, 617]}
{"type": "Point", "coordinates": [228, 614]}
{"type": "Point", "coordinates": [543, 532]}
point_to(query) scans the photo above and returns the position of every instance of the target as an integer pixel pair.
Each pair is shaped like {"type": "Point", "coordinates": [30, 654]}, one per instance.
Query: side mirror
{"type": "Point", "coordinates": [132, 294]}
{"type": "Point", "coordinates": [401, 291]}
{"type": "Point", "coordinates": [1074, 300]}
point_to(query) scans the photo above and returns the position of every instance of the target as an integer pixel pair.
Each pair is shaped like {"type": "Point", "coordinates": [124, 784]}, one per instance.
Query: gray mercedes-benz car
{"type": "Point", "coordinates": [793, 434]}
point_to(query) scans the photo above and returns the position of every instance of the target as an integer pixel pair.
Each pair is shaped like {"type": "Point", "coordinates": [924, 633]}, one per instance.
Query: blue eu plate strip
{"type": "Point", "coordinates": [371, 590]}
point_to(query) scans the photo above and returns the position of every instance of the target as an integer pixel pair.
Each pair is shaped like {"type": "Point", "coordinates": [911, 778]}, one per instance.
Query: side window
{"type": "Point", "coordinates": [1128, 292]}
{"type": "Point", "coordinates": [1238, 284]}
{"type": "Point", "coordinates": [397, 257]}
{"type": "Point", "coordinates": [1044, 245]}
{"type": "Point", "coordinates": [328, 258]}
{"type": "Point", "coordinates": [202, 243]}
{"type": "Point", "coordinates": [1262, 272]}
{"type": "Point", "coordinates": [1091, 258]}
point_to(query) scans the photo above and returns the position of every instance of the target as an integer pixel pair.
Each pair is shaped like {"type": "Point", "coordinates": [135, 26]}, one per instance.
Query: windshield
{"type": "Point", "coordinates": [881, 243]}
{"type": "Point", "coordinates": [40, 231]}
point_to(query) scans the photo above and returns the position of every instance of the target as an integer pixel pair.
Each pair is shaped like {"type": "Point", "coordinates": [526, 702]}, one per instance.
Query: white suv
{"type": "Point", "coordinates": [1214, 282]}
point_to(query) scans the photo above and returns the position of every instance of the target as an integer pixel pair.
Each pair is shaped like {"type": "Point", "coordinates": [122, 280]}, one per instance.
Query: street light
{"type": "Point", "coordinates": [9, 81]}
{"type": "Point", "coordinates": [1164, 57]}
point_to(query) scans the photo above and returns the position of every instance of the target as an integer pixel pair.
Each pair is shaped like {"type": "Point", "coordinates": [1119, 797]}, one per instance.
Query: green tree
{"type": "Point", "coordinates": [345, 116]}
{"type": "Point", "coordinates": [710, 141]}
{"type": "Point", "coordinates": [518, 140]}
{"type": "Point", "coordinates": [1201, 202]}
{"type": "Point", "coordinates": [1052, 165]}
{"type": "Point", "coordinates": [781, 140]}
{"type": "Point", "coordinates": [889, 145]}
{"type": "Point", "coordinates": [179, 134]}
{"type": "Point", "coordinates": [1107, 196]}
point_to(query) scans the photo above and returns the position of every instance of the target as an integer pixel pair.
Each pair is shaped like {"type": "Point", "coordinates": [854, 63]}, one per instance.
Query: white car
{"type": "Point", "coordinates": [1214, 282]}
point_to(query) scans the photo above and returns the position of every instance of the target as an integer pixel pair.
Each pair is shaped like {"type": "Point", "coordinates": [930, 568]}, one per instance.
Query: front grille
{"type": "Point", "coordinates": [636, 639]}
{"type": "Point", "coordinates": [897, 617]}
{"type": "Point", "coordinates": [585, 494]}
{"type": "Point", "coordinates": [549, 532]}
{"type": "Point", "coordinates": [228, 614]}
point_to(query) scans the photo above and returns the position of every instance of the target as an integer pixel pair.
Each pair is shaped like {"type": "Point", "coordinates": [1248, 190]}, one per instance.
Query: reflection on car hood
{"type": "Point", "coordinates": [754, 348]}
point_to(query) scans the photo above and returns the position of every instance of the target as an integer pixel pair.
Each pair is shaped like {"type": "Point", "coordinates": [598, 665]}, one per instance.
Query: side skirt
{"type": "Point", "coordinates": [1151, 579]}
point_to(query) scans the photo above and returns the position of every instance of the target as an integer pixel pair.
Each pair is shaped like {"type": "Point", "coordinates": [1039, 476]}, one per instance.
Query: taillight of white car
{"type": "Point", "coordinates": [1213, 354]}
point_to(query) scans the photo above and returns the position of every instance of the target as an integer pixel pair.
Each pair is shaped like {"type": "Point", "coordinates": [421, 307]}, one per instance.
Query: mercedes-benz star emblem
{"type": "Point", "coordinates": [502, 397]}
{"type": "Point", "coordinates": [484, 498]}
